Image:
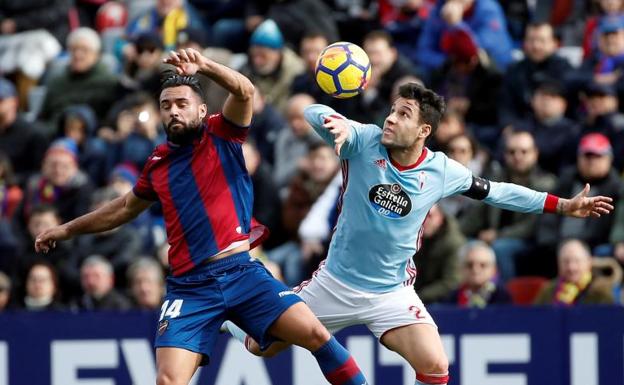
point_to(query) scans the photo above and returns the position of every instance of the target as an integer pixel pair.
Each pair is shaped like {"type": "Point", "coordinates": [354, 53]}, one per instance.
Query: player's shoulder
{"type": "Point", "coordinates": [160, 153]}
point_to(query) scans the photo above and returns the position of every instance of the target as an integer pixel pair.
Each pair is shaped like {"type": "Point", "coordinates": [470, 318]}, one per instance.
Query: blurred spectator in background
{"type": "Point", "coordinates": [510, 233]}
{"type": "Point", "coordinates": [464, 149]}
{"type": "Point", "coordinates": [387, 67]}
{"type": "Point", "coordinates": [42, 218]}
{"type": "Point", "coordinates": [61, 183]}
{"type": "Point", "coordinates": [482, 20]}
{"type": "Point", "coordinates": [555, 135]}
{"type": "Point", "coordinates": [5, 291]}
{"type": "Point", "coordinates": [591, 35]}
{"type": "Point", "coordinates": [478, 287]}
{"type": "Point", "coordinates": [601, 103]}
{"type": "Point", "coordinates": [165, 19]}
{"type": "Point", "coordinates": [142, 71]}
{"type": "Point", "coordinates": [22, 141]}
{"type": "Point", "coordinates": [540, 63]}
{"type": "Point", "coordinates": [574, 284]}
{"type": "Point", "coordinates": [319, 168]}
{"type": "Point", "coordinates": [147, 283]}
{"type": "Point", "coordinates": [595, 158]}
{"type": "Point", "coordinates": [265, 128]}
{"type": "Point", "coordinates": [20, 16]}
{"type": "Point", "coordinates": [78, 122]}
{"type": "Point", "coordinates": [136, 130]}
{"type": "Point", "coordinates": [293, 142]}
{"type": "Point", "coordinates": [272, 66]}
{"type": "Point", "coordinates": [437, 260]}
{"type": "Point", "coordinates": [42, 289]}
{"type": "Point", "coordinates": [311, 47]}
{"type": "Point", "coordinates": [404, 20]}
{"type": "Point", "coordinates": [11, 196]}
{"type": "Point", "coordinates": [617, 236]}
{"type": "Point", "coordinates": [85, 79]}
{"type": "Point", "coordinates": [266, 203]}
{"type": "Point", "coordinates": [97, 277]}
{"type": "Point", "coordinates": [470, 85]}
{"type": "Point", "coordinates": [118, 246]}
{"type": "Point", "coordinates": [451, 125]}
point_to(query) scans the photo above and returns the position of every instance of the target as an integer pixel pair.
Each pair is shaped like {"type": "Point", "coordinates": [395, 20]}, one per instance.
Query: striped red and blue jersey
{"type": "Point", "coordinates": [205, 192]}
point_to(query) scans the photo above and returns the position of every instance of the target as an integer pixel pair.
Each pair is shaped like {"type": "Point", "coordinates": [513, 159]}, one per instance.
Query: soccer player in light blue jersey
{"type": "Point", "coordinates": [391, 180]}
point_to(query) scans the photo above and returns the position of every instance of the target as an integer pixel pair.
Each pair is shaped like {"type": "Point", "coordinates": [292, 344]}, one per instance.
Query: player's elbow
{"type": "Point", "coordinates": [246, 90]}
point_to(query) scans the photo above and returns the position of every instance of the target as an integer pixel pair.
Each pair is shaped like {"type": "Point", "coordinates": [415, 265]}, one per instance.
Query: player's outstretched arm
{"type": "Point", "coordinates": [582, 206]}
{"type": "Point", "coordinates": [238, 107]}
{"type": "Point", "coordinates": [107, 217]}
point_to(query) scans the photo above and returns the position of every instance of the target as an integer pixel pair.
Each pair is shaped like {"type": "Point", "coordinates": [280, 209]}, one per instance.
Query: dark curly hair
{"type": "Point", "coordinates": [431, 105]}
{"type": "Point", "coordinates": [175, 80]}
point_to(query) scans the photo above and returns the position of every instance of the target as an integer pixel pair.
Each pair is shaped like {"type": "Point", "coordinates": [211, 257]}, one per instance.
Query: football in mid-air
{"type": "Point", "coordinates": [343, 70]}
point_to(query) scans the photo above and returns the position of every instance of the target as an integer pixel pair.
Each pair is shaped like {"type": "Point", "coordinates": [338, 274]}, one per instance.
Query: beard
{"type": "Point", "coordinates": [185, 134]}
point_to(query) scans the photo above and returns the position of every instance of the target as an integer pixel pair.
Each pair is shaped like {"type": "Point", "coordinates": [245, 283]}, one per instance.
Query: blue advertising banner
{"type": "Point", "coordinates": [494, 346]}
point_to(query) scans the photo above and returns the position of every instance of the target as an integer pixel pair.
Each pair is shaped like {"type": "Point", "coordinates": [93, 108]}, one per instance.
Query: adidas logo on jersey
{"type": "Point", "coordinates": [381, 163]}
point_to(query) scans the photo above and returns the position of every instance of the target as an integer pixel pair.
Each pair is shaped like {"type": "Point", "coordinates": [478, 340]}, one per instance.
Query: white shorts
{"type": "Point", "coordinates": [337, 305]}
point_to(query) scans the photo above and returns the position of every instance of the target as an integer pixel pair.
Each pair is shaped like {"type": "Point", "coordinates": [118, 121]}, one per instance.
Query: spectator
{"type": "Point", "coordinates": [26, 16]}
{"type": "Point", "coordinates": [591, 34]}
{"type": "Point", "coordinates": [320, 167]}
{"type": "Point", "coordinates": [387, 67]}
{"type": "Point", "coordinates": [293, 142]}
{"type": "Point", "coordinates": [85, 79]}
{"type": "Point", "coordinates": [437, 259]}
{"type": "Point", "coordinates": [404, 20]}
{"type": "Point", "coordinates": [266, 203]}
{"type": "Point", "coordinates": [451, 125]}
{"type": "Point", "coordinates": [5, 291]}
{"type": "Point", "coordinates": [42, 218]}
{"type": "Point", "coordinates": [118, 246]}
{"type": "Point", "coordinates": [540, 63]}
{"type": "Point", "coordinates": [311, 47]}
{"type": "Point", "coordinates": [147, 283]}
{"type": "Point", "coordinates": [510, 233]}
{"type": "Point", "coordinates": [481, 20]}
{"type": "Point", "coordinates": [10, 193]}
{"type": "Point", "coordinates": [470, 85]}
{"type": "Point", "coordinates": [595, 158]}
{"type": "Point", "coordinates": [601, 104]}
{"type": "Point", "coordinates": [265, 127]}
{"type": "Point", "coordinates": [42, 290]}
{"type": "Point", "coordinates": [97, 277]}
{"type": "Point", "coordinates": [78, 122]}
{"type": "Point", "coordinates": [142, 71]}
{"type": "Point", "coordinates": [61, 183]}
{"type": "Point", "coordinates": [574, 284]}
{"type": "Point", "coordinates": [137, 130]}
{"type": "Point", "coordinates": [23, 142]}
{"type": "Point", "coordinates": [555, 135]}
{"type": "Point", "coordinates": [166, 18]}
{"type": "Point", "coordinates": [478, 287]}
{"type": "Point", "coordinates": [272, 66]}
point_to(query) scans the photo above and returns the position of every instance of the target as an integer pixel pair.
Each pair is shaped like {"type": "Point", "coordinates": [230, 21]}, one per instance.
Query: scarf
{"type": "Point", "coordinates": [567, 293]}
{"type": "Point", "coordinates": [479, 299]}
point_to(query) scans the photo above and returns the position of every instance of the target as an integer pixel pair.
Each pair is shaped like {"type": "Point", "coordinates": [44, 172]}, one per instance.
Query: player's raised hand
{"type": "Point", "coordinates": [338, 127]}
{"type": "Point", "coordinates": [187, 61]}
{"type": "Point", "coordinates": [582, 206]}
{"type": "Point", "coordinates": [47, 239]}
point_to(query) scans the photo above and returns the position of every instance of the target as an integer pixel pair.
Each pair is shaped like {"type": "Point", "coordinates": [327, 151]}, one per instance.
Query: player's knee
{"type": "Point", "coordinates": [318, 336]}
{"type": "Point", "coordinates": [435, 364]}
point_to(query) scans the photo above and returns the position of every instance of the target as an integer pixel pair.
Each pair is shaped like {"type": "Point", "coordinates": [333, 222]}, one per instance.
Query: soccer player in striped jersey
{"type": "Point", "coordinates": [199, 177]}
{"type": "Point", "coordinates": [391, 180]}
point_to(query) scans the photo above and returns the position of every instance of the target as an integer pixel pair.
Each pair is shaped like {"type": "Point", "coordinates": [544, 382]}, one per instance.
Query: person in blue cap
{"type": "Point", "coordinates": [272, 66]}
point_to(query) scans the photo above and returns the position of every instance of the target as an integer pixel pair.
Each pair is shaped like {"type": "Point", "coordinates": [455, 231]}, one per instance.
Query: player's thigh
{"type": "Point", "coordinates": [176, 366]}
{"type": "Point", "coordinates": [420, 345]}
{"type": "Point", "coordinates": [299, 326]}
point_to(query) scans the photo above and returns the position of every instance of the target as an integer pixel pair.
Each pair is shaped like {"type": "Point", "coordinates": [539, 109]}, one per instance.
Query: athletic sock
{"type": "Point", "coordinates": [236, 332]}
{"type": "Point", "coordinates": [337, 364]}
{"type": "Point", "coordinates": [432, 379]}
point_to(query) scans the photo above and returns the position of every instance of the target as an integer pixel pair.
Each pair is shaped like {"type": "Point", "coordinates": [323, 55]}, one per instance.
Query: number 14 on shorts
{"type": "Point", "coordinates": [172, 311]}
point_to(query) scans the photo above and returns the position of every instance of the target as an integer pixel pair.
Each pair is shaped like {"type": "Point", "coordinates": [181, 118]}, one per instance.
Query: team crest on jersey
{"type": "Point", "coordinates": [390, 200]}
{"type": "Point", "coordinates": [381, 163]}
{"type": "Point", "coordinates": [162, 326]}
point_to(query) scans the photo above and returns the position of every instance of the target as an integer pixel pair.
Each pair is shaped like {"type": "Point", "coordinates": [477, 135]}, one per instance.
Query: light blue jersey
{"type": "Point", "coordinates": [383, 208]}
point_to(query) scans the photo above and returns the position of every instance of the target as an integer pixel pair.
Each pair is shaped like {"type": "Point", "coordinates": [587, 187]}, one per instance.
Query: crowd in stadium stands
{"type": "Point", "coordinates": [534, 92]}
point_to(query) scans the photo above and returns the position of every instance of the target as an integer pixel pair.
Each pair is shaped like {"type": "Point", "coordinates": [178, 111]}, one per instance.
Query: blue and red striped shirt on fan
{"type": "Point", "coordinates": [205, 191]}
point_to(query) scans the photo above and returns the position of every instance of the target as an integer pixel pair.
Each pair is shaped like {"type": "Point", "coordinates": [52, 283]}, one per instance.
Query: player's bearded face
{"type": "Point", "coordinates": [401, 128]}
{"type": "Point", "coordinates": [182, 113]}
{"type": "Point", "coordinates": [180, 132]}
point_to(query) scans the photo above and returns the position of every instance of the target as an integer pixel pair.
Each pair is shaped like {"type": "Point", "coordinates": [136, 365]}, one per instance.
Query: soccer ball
{"type": "Point", "coordinates": [343, 70]}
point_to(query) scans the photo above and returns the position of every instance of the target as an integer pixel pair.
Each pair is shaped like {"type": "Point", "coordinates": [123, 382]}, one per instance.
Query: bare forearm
{"type": "Point", "coordinates": [234, 82]}
{"type": "Point", "coordinates": [105, 218]}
